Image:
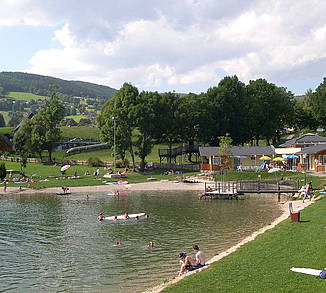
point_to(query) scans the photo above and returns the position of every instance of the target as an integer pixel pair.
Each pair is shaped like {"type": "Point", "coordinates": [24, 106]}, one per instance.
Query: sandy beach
{"type": "Point", "coordinates": [163, 185]}
{"type": "Point", "coordinates": [297, 206]}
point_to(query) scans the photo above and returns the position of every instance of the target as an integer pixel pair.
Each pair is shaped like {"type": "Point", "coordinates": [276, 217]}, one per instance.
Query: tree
{"type": "Point", "coordinates": [319, 103]}
{"type": "Point", "coordinates": [147, 122]}
{"type": "Point", "coordinates": [3, 171]}
{"type": "Point", "coordinates": [122, 108]}
{"type": "Point", "coordinates": [22, 142]}
{"type": "Point", "coordinates": [304, 114]}
{"type": "Point", "coordinates": [228, 109]}
{"type": "Point", "coordinates": [2, 121]}
{"type": "Point", "coordinates": [168, 127]}
{"type": "Point", "coordinates": [45, 127]}
{"type": "Point", "coordinates": [225, 143]}
{"type": "Point", "coordinates": [193, 119]}
{"type": "Point", "coordinates": [271, 109]}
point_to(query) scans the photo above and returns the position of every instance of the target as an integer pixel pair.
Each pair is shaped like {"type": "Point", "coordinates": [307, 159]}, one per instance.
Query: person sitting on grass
{"type": "Point", "coordinates": [200, 257]}
{"type": "Point", "coordinates": [187, 263]}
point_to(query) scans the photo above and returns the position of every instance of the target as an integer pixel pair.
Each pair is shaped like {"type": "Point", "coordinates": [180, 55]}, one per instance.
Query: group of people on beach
{"type": "Point", "coordinates": [189, 264]}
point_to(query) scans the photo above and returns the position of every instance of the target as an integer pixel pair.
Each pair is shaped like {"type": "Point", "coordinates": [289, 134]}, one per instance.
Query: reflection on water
{"type": "Point", "coordinates": [54, 244]}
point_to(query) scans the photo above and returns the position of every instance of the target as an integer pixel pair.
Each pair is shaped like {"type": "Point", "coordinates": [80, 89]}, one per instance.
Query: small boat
{"type": "Point", "coordinates": [122, 217]}
{"type": "Point", "coordinates": [63, 193]}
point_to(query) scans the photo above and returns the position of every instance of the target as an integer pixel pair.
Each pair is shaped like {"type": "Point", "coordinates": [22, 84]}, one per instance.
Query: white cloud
{"type": "Point", "coordinates": [165, 44]}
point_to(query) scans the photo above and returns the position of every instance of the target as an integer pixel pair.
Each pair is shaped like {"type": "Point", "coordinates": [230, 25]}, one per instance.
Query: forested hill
{"type": "Point", "coordinates": [39, 84]}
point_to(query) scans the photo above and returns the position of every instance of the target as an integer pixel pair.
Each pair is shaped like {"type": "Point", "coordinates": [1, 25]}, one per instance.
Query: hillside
{"type": "Point", "coordinates": [38, 85]}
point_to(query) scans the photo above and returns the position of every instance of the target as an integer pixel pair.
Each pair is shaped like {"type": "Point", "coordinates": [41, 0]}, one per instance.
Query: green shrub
{"type": "Point", "coordinates": [94, 162]}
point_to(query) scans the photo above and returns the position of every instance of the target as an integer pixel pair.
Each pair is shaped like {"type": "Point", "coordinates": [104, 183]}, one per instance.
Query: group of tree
{"type": "Point", "coordinates": [42, 132]}
{"type": "Point", "coordinates": [310, 110]}
{"type": "Point", "coordinates": [247, 113]}
{"type": "Point", "coordinates": [39, 84]}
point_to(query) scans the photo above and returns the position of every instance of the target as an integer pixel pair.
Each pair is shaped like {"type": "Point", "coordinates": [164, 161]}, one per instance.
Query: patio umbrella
{"type": "Point", "coordinates": [265, 158]}
{"type": "Point", "coordinates": [64, 168]}
{"type": "Point", "coordinates": [278, 159]}
{"type": "Point", "coordinates": [292, 157]}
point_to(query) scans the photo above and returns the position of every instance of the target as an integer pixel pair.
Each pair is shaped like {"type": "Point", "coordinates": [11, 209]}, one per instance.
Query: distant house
{"type": "Point", "coordinates": [304, 140]}
{"type": "Point", "coordinates": [310, 149]}
{"type": "Point", "coordinates": [243, 157]}
{"type": "Point", "coordinates": [5, 144]}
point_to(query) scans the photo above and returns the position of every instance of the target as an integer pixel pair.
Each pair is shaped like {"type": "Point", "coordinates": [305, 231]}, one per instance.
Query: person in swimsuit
{"type": "Point", "coordinates": [200, 257]}
{"type": "Point", "coordinates": [101, 217]}
{"type": "Point", "coordinates": [150, 244]}
{"type": "Point", "coordinates": [187, 263]}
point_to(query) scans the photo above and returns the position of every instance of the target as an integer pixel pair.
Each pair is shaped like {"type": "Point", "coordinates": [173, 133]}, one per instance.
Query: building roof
{"type": "Point", "coordinates": [287, 151]}
{"type": "Point", "coordinates": [305, 139]}
{"type": "Point", "coordinates": [312, 149]}
{"type": "Point", "coordinates": [239, 151]}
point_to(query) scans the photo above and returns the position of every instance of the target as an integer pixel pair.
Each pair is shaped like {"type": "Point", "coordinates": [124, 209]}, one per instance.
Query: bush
{"type": "Point", "coordinates": [3, 171]}
{"type": "Point", "coordinates": [94, 162]}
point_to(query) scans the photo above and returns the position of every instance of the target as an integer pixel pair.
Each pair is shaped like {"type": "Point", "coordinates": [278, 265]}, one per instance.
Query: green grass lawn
{"type": "Point", "coordinates": [76, 117]}
{"type": "Point", "coordinates": [85, 132]}
{"type": "Point", "coordinates": [5, 115]}
{"type": "Point", "coordinates": [24, 96]}
{"type": "Point", "coordinates": [317, 182]}
{"type": "Point", "coordinates": [6, 130]}
{"type": "Point", "coordinates": [41, 172]}
{"type": "Point", "coordinates": [264, 264]}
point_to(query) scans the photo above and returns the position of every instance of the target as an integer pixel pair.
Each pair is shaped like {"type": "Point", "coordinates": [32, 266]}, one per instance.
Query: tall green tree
{"type": "Point", "coordinates": [228, 109]}
{"type": "Point", "coordinates": [147, 123]}
{"type": "Point", "coordinates": [122, 108]}
{"type": "Point", "coordinates": [168, 129]}
{"type": "Point", "coordinates": [271, 109]}
{"type": "Point", "coordinates": [46, 133]}
{"type": "Point", "coordinates": [2, 121]}
{"type": "Point", "coordinates": [22, 142]}
{"type": "Point", "coordinates": [304, 113]}
{"type": "Point", "coordinates": [319, 103]}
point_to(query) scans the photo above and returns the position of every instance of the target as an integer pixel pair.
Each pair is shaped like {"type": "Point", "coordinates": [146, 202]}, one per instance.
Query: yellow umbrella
{"type": "Point", "coordinates": [265, 158]}
{"type": "Point", "coordinates": [278, 159]}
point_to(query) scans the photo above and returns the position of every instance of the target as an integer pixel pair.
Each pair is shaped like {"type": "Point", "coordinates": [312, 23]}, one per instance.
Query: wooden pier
{"type": "Point", "coordinates": [232, 190]}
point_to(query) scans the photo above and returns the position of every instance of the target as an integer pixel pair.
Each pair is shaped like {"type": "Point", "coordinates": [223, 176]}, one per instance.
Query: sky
{"type": "Point", "coordinates": [166, 45]}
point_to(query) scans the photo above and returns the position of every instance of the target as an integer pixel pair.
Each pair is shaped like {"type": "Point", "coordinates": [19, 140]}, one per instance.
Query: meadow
{"type": "Point", "coordinates": [25, 96]}
{"type": "Point", "coordinates": [50, 175]}
{"type": "Point", "coordinates": [263, 265]}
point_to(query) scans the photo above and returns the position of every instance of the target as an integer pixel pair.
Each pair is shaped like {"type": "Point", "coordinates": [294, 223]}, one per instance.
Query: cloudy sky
{"type": "Point", "coordinates": [163, 45]}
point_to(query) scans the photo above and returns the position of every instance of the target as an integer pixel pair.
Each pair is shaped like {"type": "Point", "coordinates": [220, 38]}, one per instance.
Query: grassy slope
{"type": "Point", "coordinates": [6, 130]}
{"type": "Point", "coordinates": [75, 117]}
{"type": "Point", "coordinates": [264, 264]}
{"type": "Point", "coordinates": [85, 132]}
{"type": "Point", "coordinates": [35, 170]}
{"type": "Point", "coordinates": [24, 96]}
{"type": "Point", "coordinates": [5, 115]}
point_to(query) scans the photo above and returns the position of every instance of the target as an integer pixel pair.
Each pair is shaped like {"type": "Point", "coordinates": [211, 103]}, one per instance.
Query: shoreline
{"type": "Point", "coordinates": [297, 206]}
{"type": "Point", "coordinates": [163, 185]}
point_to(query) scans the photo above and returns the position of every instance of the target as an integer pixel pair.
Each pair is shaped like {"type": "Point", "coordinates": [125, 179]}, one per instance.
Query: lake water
{"type": "Point", "coordinates": [51, 243]}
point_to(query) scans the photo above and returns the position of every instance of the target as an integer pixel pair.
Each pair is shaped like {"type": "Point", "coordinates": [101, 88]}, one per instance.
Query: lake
{"type": "Point", "coordinates": [51, 243]}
